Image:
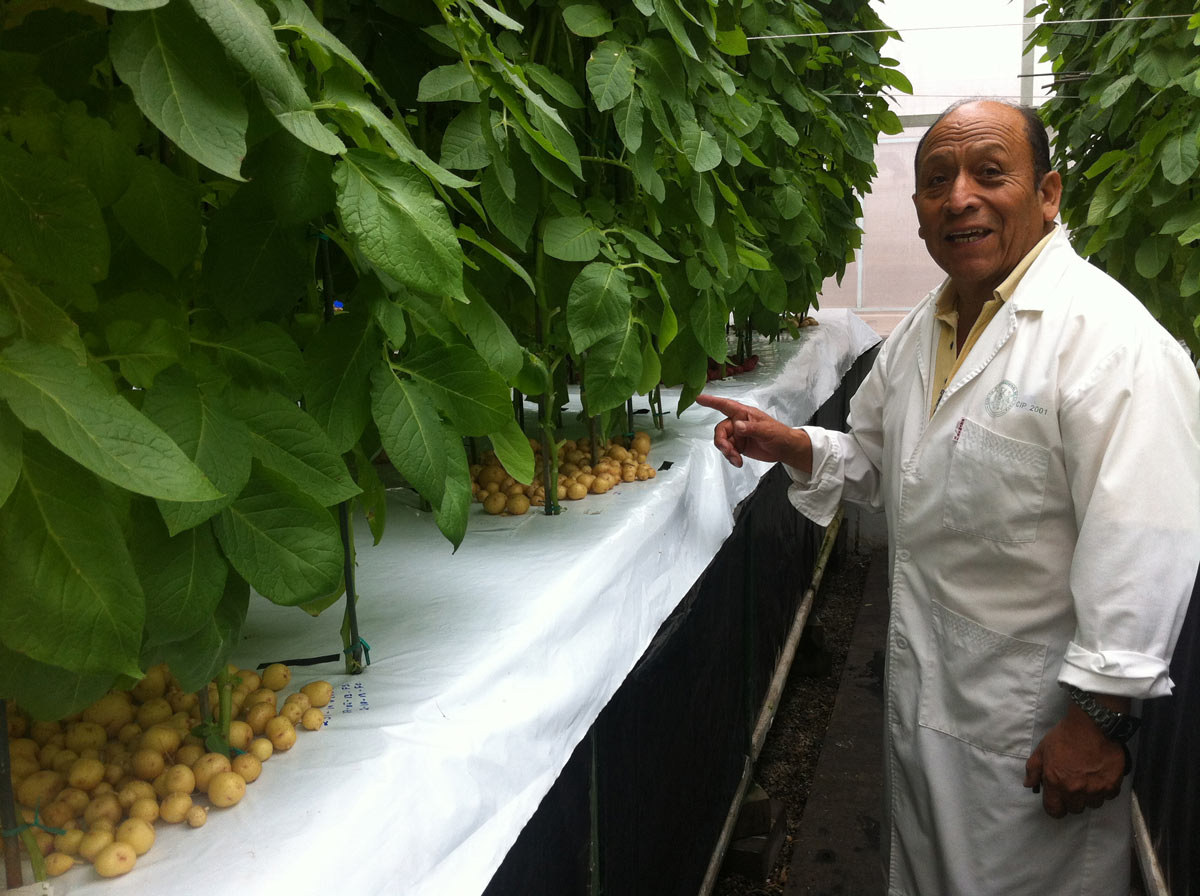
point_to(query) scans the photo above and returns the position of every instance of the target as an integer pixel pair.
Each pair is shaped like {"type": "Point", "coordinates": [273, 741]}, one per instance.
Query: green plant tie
{"type": "Point", "coordinates": [366, 650]}
{"type": "Point", "coordinates": [36, 823]}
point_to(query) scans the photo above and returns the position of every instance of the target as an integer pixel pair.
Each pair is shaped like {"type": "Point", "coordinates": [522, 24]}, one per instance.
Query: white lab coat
{"type": "Point", "coordinates": [1044, 527]}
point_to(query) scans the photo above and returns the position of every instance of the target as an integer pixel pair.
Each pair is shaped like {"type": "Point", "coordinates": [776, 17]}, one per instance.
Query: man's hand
{"type": "Point", "coordinates": [749, 432]}
{"type": "Point", "coordinates": [1075, 766]}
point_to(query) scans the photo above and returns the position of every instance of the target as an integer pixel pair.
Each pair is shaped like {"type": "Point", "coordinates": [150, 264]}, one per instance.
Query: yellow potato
{"type": "Point", "coordinates": [248, 766]}
{"type": "Point", "coordinates": [147, 764]}
{"type": "Point", "coordinates": [138, 833]}
{"type": "Point", "coordinates": [261, 749]}
{"type": "Point", "coordinates": [281, 733]}
{"type": "Point", "coordinates": [106, 806]}
{"type": "Point", "coordinates": [196, 816]}
{"type": "Point", "coordinates": [299, 697]}
{"type": "Point", "coordinates": [179, 779]}
{"type": "Point", "coordinates": [189, 753]}
{"type": "Point", "coordinates": [313, 719]}
{"type": "Point", "coordinates": [319, 692]}
{"type": "Point", "coordinates": [42, 732]}
{"type": "Point", "coordinates": [276, 676]}
{"type": "Point", "coordinates": [258, 715]}
{"type": "Point", "coordinates": [154, 712]}
{"type": "Point", "coordinates": [111, 712]}
{"type": "Point", "coordinates": [115, 859]}
{"type": "Point", "coordinates": [250, 679]}
{"type": "Point", "coordinates": [85, 735]}
{"type": "Point", "coordinates": [259, 696]}
{"type": "Point", "coordinates": [58, 863]}
{"type": "Point", "coordinates": [40, 788]}
{"type": "Point", "coordinates": [94, 841]}
{"type": "Point", "coordinates": [22, 767]}
{"type": "Point", "coordinates": [57, 815]}
{"type": "Point", "coordinates": [292, 712]}
{"type": "Point", "coordinates": [495, 503]}
{"type": "Point", "coordinates": [85, 774]}
{"type": "Point", "coordinates": [226, 789]}
{"type": "Point", "coordinates": [25, 747]}
{"type": "Point", "coordinates": [145, 809]}
{"type": "Point", "coordinates": [63, 760]}
{"type": "Point", "coordinates": [161, 737]}
{"type": "Point", "coordinates": [152, 686]}
{"type": "Point", "coordinates": [207, 766]}
{"type": "Point", "coordinates": [174, 807]}
{"type": "Point", "coordinates": [240, 734]}
{"type": "Point", "coordinates": [75, 798]}
{"type": "Point", "coordinates": [68, 841]}
{"type": "Point", "coordinates": [517, 504]}
{"type": "Point", "coordinates": [134, 791]}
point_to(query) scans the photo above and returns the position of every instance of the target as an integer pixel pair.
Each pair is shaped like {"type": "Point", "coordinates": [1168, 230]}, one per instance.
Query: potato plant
{"type": "Point", "coordinates": [247, 245]}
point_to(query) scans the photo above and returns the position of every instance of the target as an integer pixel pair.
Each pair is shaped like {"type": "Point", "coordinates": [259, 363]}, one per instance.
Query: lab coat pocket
{"type": "Point", "coordinates": [981, 686]}
{"type": "Point", "coordinates": [995, 485]}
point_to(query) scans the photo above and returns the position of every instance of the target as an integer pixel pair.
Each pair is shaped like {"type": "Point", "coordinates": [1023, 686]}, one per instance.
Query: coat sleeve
{"type": "Point", "coordinates": [1131, 438]}
{"type": "Point", "coordinates": [846, 465]}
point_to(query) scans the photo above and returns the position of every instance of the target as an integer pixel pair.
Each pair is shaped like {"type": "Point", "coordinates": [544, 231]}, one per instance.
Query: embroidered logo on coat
{"type": "Point", "coordinates": [1001, 399]}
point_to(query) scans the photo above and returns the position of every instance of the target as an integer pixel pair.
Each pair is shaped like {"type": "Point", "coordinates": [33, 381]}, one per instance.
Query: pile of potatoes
{"type": "Point", "coordinates": [621, 460]}
{"type": "Point", "coordinates": [105, 777]}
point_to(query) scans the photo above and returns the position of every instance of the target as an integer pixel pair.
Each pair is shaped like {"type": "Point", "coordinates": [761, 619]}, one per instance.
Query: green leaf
{"type": "Point", "coordinates": [475, 398]}
{"type": "Point", "coordinates": [182, 82]}
{"type": "Point", "coordinates": [339, 361]}
{"type": "Point", "coordinates": [732, 43]}
{"type": "Point", "coordinates": [612, 370]}
{"type": "Point", "coordinates": [289, 442]}
{"type": "Point", "coordinates": [628, 118]}
{"type": "Point", "coordinates": [1152, 255]}
{"type": "Point", "coordinates": [50, 392]}
{"type": "Point", "coordinates": [398, 224]}
{"type": "Point", "coordinates": [10, 452]}
{"type": "Point", "coordinates": [514, 451]}
{"type": "Point", "coordinates": [196, 660]}
{"type": "Point", "coordinates": [513, 218]}
{"type": "Point", "coordinates": [1181, 156]}
{"type": "Point", "coordinates": [244, 30]}
{"type": "Point", "coordinates": [572, 238]}
{"type": "Point", "coordinates": [183, 577]}
{"type": "Point", "coordinates": [161, 213]}
{"type": "Point", "coordinates": [497, 16]}
{"type": "Point", "coordinates": [669, 14]}
{"type": "Point", "coordinates": [709, 317]}
{"type": "Point", "coordinates": [448, 83]}
{"type": "Point", "coordinates": [646, 246]}
{"type": "Point", "coordinates": [651, 368]}
{"type": "Point", "coordinates": [586, 18]}
{"type": "Point", "coordinates": [50, 223]}
{"type": "Point", "coordinates": [202, 426]}
{"type": "Point", "coordinates": [410, 431]}
{"type": "Point", "coordinates": [558, 87]}
{"type": "Point", "coordinates": [295, 15]}
{"type": "Point", "coordinates": [146, 334]}
{"type": "Point", "coordinates": [49, 692]}
{"type": "Point", "coordinates": [470, 236]}
{"type": "Point", "coordinates": [610, 74]}
{"type": "Point", "coordinates": [285, 544]}
{"type": "Point", "coordinates": [262, 355]}
{"type": "Point", "coordinates": [37, 317]}
{"type": "Point", "coordinates": [452, 513]}
{"type": "Point", "coordinates": [72, 598]}
{"type": "Point", "coordinates": [463, 143]}
{"type": "Point", "coordinates": [699, 146]}
{"type": "Point", "coordinates": [1115, 90]}
{"type": "Point", "coordinates": [598, 304]}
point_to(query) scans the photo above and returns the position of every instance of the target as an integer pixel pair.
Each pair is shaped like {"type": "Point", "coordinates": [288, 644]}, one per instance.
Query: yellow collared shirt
{"type": "Point", "coordinates": [948, 357]}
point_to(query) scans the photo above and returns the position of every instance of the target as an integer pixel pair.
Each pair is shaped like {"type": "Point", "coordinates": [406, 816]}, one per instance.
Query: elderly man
{"type": "Point", "coordinates": [1034, 438]}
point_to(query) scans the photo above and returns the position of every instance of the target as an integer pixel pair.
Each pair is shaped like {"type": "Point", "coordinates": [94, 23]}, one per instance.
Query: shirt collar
{"type": "Point", "coordinates": [946, 307]}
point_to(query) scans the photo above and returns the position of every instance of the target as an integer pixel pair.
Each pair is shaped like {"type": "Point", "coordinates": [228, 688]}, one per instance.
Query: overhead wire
{"type": "Point", "coordinates": [963, 27]}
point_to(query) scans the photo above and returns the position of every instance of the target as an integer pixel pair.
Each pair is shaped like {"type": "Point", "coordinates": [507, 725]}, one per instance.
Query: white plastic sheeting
{"type": "Point", "coordinates": [488, 667]}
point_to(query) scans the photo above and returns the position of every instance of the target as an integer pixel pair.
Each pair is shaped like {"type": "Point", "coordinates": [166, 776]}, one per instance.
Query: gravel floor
{"type": "Point", "coordinates": [793, 744]}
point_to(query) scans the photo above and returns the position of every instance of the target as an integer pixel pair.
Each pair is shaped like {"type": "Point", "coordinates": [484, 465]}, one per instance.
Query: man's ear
{"type": "Point", "coordinates": [920, 227]}
{"type": "Point", "coordinates": [1050, 191]}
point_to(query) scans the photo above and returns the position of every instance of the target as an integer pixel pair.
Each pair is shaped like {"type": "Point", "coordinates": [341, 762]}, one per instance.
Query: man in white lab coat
{"type": "Point", "coordinates": [1034, 438]}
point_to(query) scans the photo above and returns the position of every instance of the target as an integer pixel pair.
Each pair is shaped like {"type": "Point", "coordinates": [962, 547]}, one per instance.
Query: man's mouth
{"type": "Point", "coordinates": [967, 236]}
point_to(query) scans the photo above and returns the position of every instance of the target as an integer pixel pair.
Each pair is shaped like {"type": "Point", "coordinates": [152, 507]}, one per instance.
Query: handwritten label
{"type": "Point", "coordinates": [351, 696]}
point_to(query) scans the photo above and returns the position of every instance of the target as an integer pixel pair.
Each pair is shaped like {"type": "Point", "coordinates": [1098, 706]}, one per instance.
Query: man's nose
{"type": "Point", "coordinates": [962, 194]}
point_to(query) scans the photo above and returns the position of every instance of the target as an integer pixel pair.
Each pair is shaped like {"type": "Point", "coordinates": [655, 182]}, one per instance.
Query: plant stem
{"type": "Point", "coordinates": [8, 812]}
{"type": "Point", "coordinates": [225, 701]}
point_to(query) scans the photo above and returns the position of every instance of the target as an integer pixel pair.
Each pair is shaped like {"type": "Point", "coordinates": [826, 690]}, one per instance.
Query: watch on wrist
{"type": "Point", "coordinates": [1118, 726]}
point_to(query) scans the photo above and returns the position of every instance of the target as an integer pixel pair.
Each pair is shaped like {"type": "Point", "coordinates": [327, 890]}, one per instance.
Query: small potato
{"type": "Point", "coordinates": [145, 809]}
{"type": "Point", "coordinates": [292, 712]}
{"type": "Point", "coordinates": [134, 791]}
{"type": "Point", "coordinates": [517, 505]}
{"type": "Point", "coordinates": [93, 842]}
{"type": "Point", "coordinates": [495, 503]}
{"type": "Point", "coordinates": [250, 679]}
{"type": "Point", "coordinates": [25, 747]}
{"type": "Point", "coordinates": [58, 863]}
{"type": "Point", "coordinates": [182, 701]}
{"type": "Point", "coordinates": [174, 807]}
{"type": "Point", "coordinates": [115, 859]}
{"type": "Point", "coordinates": [179, 779]}
{"type": "Point", "coordinates": [258, 715]}
{"type": "Point", "coordinates": [129, 733]}
{"type": "Point", "coordinates": [226, 789]}
{"type": "Point", "coordinates": [281, 733]}
{"type": "Point", "coordinates": [138, 833]}
{"type": "Point", "coordinates": [85, 774]}
{"type": "Point", "coordinates": [276, 676]}
{"type": "Point", "coordinates": [161, 737]}
{"type": "Point", "coordinates": [68, 841]}
{"type": "Point", "coordinates": [43, 841]}
{"type": "Point", "coordinates": [57, 815]}
{"type": "Point", "coordinates": [43, 732]}
{"type": "Point", "coordinates": [106, 806]}
{"type": "Point", "coordinates": [299, 697]}
{"type": "Point", "coordinates": [207, 766]}
{"type": "Point", "coordinates": [196, 816]}
{"type": "Point", "coordinates": [63, 760]}
{"type": "Point", "coordinates": [147, 764]}
{"type": "Point", "coordinates": [576, 491]}
{"type": "Point", "coordinates": [110, 712]}
{"type": "Point", "coordinates": [40, 788]}
{"type": "Point", "coordinates": [154, 712]}
{"type": "Point", "coordinates": [248, 766]}
{"type": "Point", "coordinates": [313, 719]}
{"type": "Point", "coordinates": [75, 798]}
{"type": "Point", "coordinates": [319, 693]}
{"type": "Point", "coordinates": [189, 753]}
{"type": "Point", "coordinates": [24, 766]}
{"type": "Point", "coordinates": [85, 736]}
{"type": "Point", "coordinates": [260, 696]}
{"type": "Point", "coordinates": [240, 734]}
{"type": "Point", "coordinates": [261, 749]}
